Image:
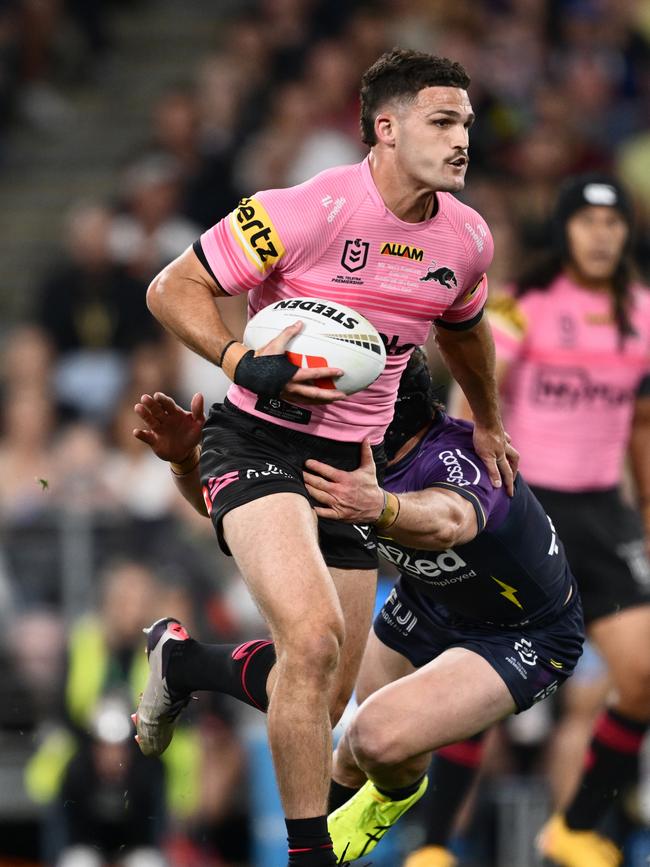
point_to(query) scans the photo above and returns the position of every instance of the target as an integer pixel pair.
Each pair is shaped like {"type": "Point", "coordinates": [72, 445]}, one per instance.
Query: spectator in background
{"type": "Point", "coordinates": [9, 51]}
{"type": "Point", "coordinates": [111, 803]}
{"type": "Point", "coordinates": [206, 172]}
{"type": "Point", "coordinates": [93, 312]}
{"type": "Point", "coordinates": [26, 360]}
{"type": "Point", "coordinates": [150, 230]}
{"type": "Point", "coordinates": [25, 452]}
{"type": "Point", "coordinates": [31, 656]}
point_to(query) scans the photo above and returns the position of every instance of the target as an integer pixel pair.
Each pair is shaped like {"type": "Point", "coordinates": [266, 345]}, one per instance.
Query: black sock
{"type": "Point", "coordinates": [310, 844]}
{"type": "Point", "coordinates": [403, 793]}
{"type": "Point", "coordinates": [240, 670]}
{"type": "Point", "coordinates": [612, 761]}
{"type": "Point", "coordinates": [452, 772]}
{"type": "Point", "coordinates": [339, 795]}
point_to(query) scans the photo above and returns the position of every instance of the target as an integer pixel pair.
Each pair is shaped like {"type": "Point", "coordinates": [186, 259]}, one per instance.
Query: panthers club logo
{"type": "Point", "coordinates": [443, 275]}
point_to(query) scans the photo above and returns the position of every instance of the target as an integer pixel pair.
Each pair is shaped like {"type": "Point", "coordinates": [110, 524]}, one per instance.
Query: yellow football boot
{"type": "Point", "coordinates": [358, 825]}
{"type": "Point", "coordinates": [570, 848]}
{"type": "Point", "coordinates": [431, 856]}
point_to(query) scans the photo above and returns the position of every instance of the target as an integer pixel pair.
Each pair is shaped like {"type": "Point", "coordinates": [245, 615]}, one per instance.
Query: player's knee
{"type": "Point", "coordinates": [313, 651]}
{"type": "Point", "coordinates": [634, 689]}
{"type": "Point", "coordinates": [374, 745]}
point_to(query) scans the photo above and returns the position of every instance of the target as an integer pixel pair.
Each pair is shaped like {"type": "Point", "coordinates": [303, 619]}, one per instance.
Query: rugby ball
{"type": "Point", "coordinates": [332, 335]}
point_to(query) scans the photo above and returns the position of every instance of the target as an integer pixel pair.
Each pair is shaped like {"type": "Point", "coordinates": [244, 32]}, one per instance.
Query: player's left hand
{"type": "Point", "coordinates": [354, 497]}
{"type": "Point", "coordinates": [171, 432]}
{"type": "Point", "coordinates": [501, 458]}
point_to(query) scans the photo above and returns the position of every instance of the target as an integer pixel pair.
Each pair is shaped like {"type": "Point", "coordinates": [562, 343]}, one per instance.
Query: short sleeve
{"type": "Point", "coordinates": [459, 469]}
{"type": "Point", "coordinates": [467, 308]}
{"type": "Point", "coordinates": [272, 230]}
{"type": "Point", "coordinates": [243, 248]}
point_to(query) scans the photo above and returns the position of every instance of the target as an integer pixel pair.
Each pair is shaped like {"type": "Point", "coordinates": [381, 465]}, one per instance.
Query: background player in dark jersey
{"type": "Point", "coordinates": [573, 355]}
{"type": "Point", "coordinates": [485, 592]}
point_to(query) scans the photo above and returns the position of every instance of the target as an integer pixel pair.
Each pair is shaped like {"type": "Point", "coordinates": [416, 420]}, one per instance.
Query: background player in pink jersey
{"type": "Point", "coordinates": [573, 350]}
{"type": "Point", "coordinates": [311, 581]}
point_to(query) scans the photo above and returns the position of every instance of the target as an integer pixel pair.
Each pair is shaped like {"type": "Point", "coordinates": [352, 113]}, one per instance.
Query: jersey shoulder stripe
{"type": "Point", "coordinates": [467, 495]}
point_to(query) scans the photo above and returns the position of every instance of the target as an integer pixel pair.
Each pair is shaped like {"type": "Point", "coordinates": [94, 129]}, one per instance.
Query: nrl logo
{"type": "Point", "coordinates": [355, 255]}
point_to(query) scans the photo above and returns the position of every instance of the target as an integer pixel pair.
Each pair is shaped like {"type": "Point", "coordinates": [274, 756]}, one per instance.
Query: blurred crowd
{"type": "Point", "coordinates": [95, 543]}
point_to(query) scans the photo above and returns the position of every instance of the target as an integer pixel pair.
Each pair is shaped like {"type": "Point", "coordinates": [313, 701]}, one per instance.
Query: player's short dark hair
{"type": "Point", "coordinates": [401, 74]}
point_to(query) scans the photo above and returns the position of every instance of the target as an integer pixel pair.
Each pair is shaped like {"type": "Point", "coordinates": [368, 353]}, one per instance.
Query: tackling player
{"type": "Point", "coordinates": [341, 236]}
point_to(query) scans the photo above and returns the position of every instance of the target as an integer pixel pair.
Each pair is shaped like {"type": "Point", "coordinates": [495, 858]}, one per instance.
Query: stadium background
{"type": "Point", "coordinates": [126, 127]}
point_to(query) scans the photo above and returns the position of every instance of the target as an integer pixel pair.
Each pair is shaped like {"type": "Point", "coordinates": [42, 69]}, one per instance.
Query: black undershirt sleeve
{"type": "Point", "coordinates": [198, 249]}
{"type": "Point", "coordinates": [460, 326]}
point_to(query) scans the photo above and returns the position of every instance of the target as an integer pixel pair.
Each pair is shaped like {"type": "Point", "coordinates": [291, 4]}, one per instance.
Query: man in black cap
{"type": "Point", "coordinates": [573, 349]}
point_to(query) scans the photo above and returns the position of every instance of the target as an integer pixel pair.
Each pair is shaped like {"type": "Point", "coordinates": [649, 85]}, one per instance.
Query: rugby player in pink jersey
{"type": "Point", "coordinates": [387, 238]}
{"type": "Point", "coordinates": [573, 360]}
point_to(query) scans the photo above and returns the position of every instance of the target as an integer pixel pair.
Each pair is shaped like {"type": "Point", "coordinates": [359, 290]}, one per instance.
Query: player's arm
{"type": "Point", "coordinates": [174, 435]}
{"type": "Point", "coordinates": [182, 297]}
{"type": "Point", "coordinates": [458, 405]}
{"type": "Point", "coordinates": [469, 355]}
{"type": "Point", "coordinates": [435, 519]}
{"type": "Point", "coordinates": [640, 453]}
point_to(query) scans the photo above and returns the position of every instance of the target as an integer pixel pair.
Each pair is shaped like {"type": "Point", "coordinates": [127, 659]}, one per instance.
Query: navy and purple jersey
{"type": "Point", "coordinates": [514, 571]}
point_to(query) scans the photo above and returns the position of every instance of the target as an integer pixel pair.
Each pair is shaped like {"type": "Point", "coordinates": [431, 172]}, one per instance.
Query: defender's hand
{"type": "Point", "coordinates": [499, 456]}
{"type": "Point", "coordinates": [172, 432]}
{"type": "Point", "coordinates": [354, 497]}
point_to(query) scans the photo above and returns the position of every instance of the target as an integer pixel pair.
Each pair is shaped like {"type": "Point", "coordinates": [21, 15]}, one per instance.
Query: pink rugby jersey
{"type": "Point", "coordinates": [333, 238]}
{"type": "Point", "coordinates": [570, 390]}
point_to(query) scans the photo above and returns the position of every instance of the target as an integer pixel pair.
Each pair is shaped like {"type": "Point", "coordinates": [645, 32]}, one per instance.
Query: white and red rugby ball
{"type": "Point", "coordinates": [332, 335]}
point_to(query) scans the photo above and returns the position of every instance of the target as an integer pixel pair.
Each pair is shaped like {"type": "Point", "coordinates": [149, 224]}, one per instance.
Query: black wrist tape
{"type": "Point", "coordinates": [264, 374]}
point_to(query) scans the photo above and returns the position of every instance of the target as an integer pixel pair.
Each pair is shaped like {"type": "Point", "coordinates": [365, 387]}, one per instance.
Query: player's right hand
{"type": "Point", "coordinates": [171, 432]}
{"type": "Point", "coordinates": [301, 387]}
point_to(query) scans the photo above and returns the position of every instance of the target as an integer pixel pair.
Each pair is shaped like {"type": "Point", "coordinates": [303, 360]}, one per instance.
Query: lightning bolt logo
{"type": "Point", "coordinates": [508, 592]}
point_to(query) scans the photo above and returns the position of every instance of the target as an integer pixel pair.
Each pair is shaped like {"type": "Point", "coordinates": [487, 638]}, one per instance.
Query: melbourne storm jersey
{"type": "Point", "coordinates": [514, 571]}
{"type": "Point", "coordinates": [333, 238]}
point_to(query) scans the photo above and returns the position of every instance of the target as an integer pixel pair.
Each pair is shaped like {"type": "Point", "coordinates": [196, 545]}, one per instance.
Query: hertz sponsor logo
{"type": "Point", "coordinates": [404, 251]}
{"type": "Point", "coordinates": [256, 234]}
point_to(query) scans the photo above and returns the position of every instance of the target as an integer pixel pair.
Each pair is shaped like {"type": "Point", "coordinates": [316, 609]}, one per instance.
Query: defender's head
{"type": "Point", "coordinates": [415, 406]}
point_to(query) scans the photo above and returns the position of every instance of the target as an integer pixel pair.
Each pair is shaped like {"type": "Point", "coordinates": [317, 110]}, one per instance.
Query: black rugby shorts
{"type": "Point", "coordinates": [604, 543]}
{"type": "Point", "coordinates": [533, 660]}
{"type": "Point", "coordinates": [244, 458]}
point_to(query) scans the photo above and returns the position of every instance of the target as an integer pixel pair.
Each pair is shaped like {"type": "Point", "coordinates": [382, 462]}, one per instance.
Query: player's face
{"type": "Point", "coordinates": [596, 236]}
{"type": "Point", "coordinates": [432, 138]}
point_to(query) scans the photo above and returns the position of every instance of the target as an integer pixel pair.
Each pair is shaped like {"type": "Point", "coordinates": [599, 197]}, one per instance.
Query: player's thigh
{"type": "Point", "coordinates": [380, 665]}
{"type": "Point", "coordinates": [623, 639]}
{"type": "Point", "coordinates": [275, 544]}
{"type": "Point", "coordinates": [451, 698]}
{"type": "Point", "coordinates": [356, 590]}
